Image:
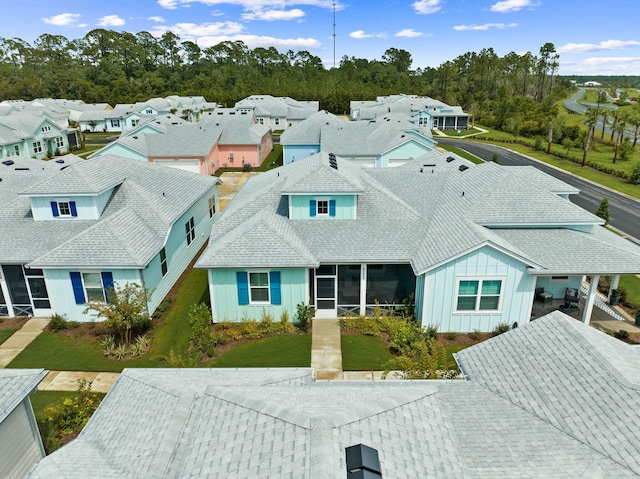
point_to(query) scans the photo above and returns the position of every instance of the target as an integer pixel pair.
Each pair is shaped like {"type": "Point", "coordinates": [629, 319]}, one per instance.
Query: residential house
{"type": "Point", "coordinates": [425, 112]}
{"type": "Point", "coordinates": [72, 228]}
{"type": "Point", "coordinates": [34, 136]}
{"type": "Point", "coordinates": [277, 113]}
{"type": "Point", "coordinates": [391, 140]}
{"type": "Point", "coordinates": [469, 244]}
{"type": "Point", "coordinates": [553, 398]}
{"type": "Point", "coordinates": [222, 138]}
{"type": "Point", "coordinates": [20, 443]}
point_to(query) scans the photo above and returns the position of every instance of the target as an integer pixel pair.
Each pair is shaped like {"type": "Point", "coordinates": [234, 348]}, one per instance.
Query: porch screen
{"type": "Point", "coordinates": [389, 283]}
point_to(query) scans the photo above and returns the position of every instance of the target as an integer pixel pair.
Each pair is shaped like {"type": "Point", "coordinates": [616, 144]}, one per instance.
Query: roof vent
{"type": "Point", "coordinates": [333, 163]}
{"type": "Point", "coordinates": [450, 159]}
{"type": "Point", "coordinates": [66, 166]}
{"type": "Point", "coordinates": [21, 169]}
{"type": "Point", "coordinates": [60, 161]}
{"type": "Point", "coordinates": [429, 164]}
{"type": "Point", "coordinates": [463, 167]}
{"type": "Point", "coordinates": [135, 137]}
{"type": "Point", "coordinates": [7, 162]}
{"type": "Point", "coordinates": [362, 462]}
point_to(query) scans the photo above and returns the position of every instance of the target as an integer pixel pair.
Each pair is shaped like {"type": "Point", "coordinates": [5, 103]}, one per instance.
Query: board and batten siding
{"type": "Point", "coordinates": [20, 448]}
{"type": "Point", "coordinates": [345, 207]}
{"type": "Point", "coordinates": [179, 254]}
{"type": "Point", "coordinates": [226, 305]}
{"type": "Point", "coordinates": [410, 149]}
{"type": "Point", "coordinates": [120, 150]}
{"type": "Point", "coordinates": [87, 207]}
{"type": "Point", "coordinates": [440, 287]}
{"type": "Point", "coordinates": [293, 153]}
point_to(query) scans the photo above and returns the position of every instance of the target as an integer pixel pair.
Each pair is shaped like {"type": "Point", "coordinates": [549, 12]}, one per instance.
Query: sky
{"type": "Point", "coordinates": [592, 37]}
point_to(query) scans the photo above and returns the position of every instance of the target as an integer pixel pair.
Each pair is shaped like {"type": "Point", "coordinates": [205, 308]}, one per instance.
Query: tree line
{"type": "Point", "coordinates": [122, 67]}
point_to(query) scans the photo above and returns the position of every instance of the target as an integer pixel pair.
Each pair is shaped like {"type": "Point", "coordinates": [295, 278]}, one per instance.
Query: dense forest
{"type": "Point", "coordinates": [116, 67]}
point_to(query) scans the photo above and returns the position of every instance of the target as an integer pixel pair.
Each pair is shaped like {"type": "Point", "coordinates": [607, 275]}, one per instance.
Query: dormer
{"type": "Point", "coordinates": [323, 189]}
{"type": "Point", "coordinates": [70, 196]}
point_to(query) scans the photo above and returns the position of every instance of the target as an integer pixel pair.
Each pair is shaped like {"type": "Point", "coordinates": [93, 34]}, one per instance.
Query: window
{"type": "Point", "coordinates": [134, 122]}
{"type": "Point", "coordinates": [37, 147]}
{"type": "Point", "coordinates": [13, 151]}
{"type": "Point", "coordinates": [91, 286]}
{"type": "Point", "coordinates": [190, 228]}
{"type": "Point", "coordinates": [322, 207]}
{"type": "Point", "coordinates": [115, 123]}
{"type": "Point", "coordinates": [277, 121]}
{"type": "Point", "coordinates": [46, 128]}
{"type": "Point", "coordinates": [479, 295]}
{"type": "Point", "coordinates": [261, 121]}
{"type": "Point", "coordinates": [212, 206]}
{"type": "Point", "coordinates": [59, 142]}
{"type": "Point", "coordinates": [64, 208]}
{"type": "Point", "coordinates": [37, 288]}
{"type": "Point", "coordinates": [149, 111]}
{"type": "Point", "coordinates": [259, 287]}
{"type": "Point", "coordinates": [163, 262]}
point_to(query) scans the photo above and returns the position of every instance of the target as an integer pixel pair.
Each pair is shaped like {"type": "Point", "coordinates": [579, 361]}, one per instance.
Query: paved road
{"type": "Point", "coordinates": [625, 212]}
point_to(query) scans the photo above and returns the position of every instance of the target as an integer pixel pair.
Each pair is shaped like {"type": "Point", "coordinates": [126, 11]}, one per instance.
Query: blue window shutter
{"type": "Point", "coordinates": [242, 278]}
{"type": "Point", "coordinates": [107, 283]}
{"type": "Point", "coordinates": [72, 207]}
{"type": "Point", "coordinates": [54, 208]}
{"type": "Point", "coordinates": [78, 290]}
{"type": "Point", "coordinates": [312, 208]}
{"type": "Point", "coordinates": [332, 207]}
{"type": "Point", "coordinates": [274, 285]}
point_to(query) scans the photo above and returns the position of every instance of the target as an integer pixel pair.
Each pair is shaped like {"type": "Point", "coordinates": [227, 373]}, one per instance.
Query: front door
{"type": "Point", "coordinates": [326, 291]}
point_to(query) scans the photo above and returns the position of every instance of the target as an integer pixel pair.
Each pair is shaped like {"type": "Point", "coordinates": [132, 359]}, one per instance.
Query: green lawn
{"type": "Point", "coordinates": [464, 154]}
{"type": "Point", "coordinates": [450, 363]}
{"type": "Point", "coordinates": [632, 285]}
{"type": "Point", "coordinates": [363, 353]}
{"type": "Point", "coordinates": [60, 353]}
{"type": "Point", "coordinates": [284, 351]}
{"type": "Point", "coordinates": [6, 333]}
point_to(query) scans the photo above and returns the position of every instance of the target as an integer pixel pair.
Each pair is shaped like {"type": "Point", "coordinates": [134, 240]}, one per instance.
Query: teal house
{"type": "Point", "coordinates": [71, 228]}
{"type": "Point", "coordinates": [470, 245]}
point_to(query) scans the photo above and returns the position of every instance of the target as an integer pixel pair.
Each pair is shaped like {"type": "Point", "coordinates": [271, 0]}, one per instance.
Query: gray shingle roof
{"type": "Point", "coordinates": [309, 131]}
{"type": "Point", "coordinates": [403, 216]}
{"type": "Point", "coordinates": [15, 385]}
{"type": "Point", "coordinates": [147, 199]}
{"type": "Point", "coordinates": [551, 399]}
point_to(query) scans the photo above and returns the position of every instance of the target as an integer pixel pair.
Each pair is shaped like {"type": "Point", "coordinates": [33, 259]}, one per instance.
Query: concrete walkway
{"type": "Point", "coordinates": [326, 350]}
{"type": "Point", "coordinates": [20, 339]}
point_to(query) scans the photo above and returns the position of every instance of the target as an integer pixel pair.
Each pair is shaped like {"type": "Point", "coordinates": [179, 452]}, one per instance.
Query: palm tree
{"type": "Point", "coordinates": [615, 114]}
{"type": "Point", "coordinates": [590, 121]}
{"type": "Point", "coordinates": [619, 129]}
{"type": "Point", "coordinates": [605, 114]}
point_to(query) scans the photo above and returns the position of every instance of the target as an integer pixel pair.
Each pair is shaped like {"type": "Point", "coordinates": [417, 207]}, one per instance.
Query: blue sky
{"type": "Point", "coordinates": [592, 37]}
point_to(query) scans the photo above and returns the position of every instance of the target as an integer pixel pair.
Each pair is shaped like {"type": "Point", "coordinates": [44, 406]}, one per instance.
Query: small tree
{"type": "Point", "coordinates": [626, 149]}
{"type": "Point", "coordinates": [603, 211]}
{"type": "Point", "coordinates": [304, 313]}
{"type": "Point", "coordinates": [202, 339]}
{"type": "Point", "coordinates": [125, 310]}
{"type": "Point", "coordinates": [635, 175]}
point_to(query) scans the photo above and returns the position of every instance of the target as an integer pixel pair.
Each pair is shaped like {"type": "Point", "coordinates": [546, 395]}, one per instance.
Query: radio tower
{"type": "Point", "coordinates": [334, 34]}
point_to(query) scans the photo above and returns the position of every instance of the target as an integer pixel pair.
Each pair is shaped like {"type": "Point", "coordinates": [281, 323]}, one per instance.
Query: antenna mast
{"type": "Point", "coordinates": [334, 34]}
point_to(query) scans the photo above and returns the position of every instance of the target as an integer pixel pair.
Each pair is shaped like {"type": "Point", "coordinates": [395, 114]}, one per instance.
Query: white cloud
{"type": "Point", "coordinates": [360, 35]}
{"type": "Point", "coordinates": [602, 66]}
{"type": "Point", "coordinates": [594, 47]}
{"type": "Point", "coordinates": [486, 26]}
{"type": "Point", "coordinates": [270, 15]}
{"type": "Point", "coordinates": [253, 5]}
{"type": "Point", "coordinates": [610, 60]}
{"type": "Point", "coordinates": [513, 5]}
{"type": "Point", "coordinates": [254, 41]}
{"type": "Point", "coordinates": [425, 7]}
{"type": "Point", "coordinates": [409, 33]}
{"type": "Point", "coordinates": [62, 20]}
{"type": "Point", "coordinates": [168, 4]}
{"type": "Point", "coordinates": [156, 19]}
{"type": "Point", "coordinates": [111, 21]}
{"type": "Point", "coordinates": [194, 30]}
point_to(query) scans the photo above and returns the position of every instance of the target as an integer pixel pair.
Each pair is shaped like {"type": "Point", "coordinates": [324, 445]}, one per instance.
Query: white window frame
{"type": "Point", "coordinates": [59, 142]}
{"type": "Point", "coordinates": [480, 280]}
{"type": "Point", "coordinates": [46, 128]}
{"type": "Point", "coordinates": [149, 111]}
{"type": "Point", "coordinates": [37, 147]}
{"type": "Point", "coordinates": [276, 121]}
{"type": "Point", "coordinates": [325, 200]}
{"type": "Point", "coordinates": [212, 206]}
{"type": "Point", "coordinates": [64, 206]}
{"type": "Point", "coordinates": [134, 122]}
{"type": "Point", "coordinates": [92, 287]}
{"type": "Point", "coordinates": [115, 123]}
{"type": "Point", "coordinates": [251, 288]}
{"type": "Point", "coordinates": [190, 228]}
{"type": "Point", "coordinates": [164, 264]}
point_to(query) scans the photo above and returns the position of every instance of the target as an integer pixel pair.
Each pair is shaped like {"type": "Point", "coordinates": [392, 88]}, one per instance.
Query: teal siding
{"type": "Point", "coordinates": [441, 284]}
{"type": "Point", "coordinates": [225, 301]}
{"type": "Point", "coordinates": [422, 138]}
{"type": "Point", "coordinates": [419, 295]}
{"type": "Point", "coordinates": [179, 255]}
{"type": "Point", "coordinates": [291, 153]}
{"type": "Point", "coordinates": [412, 149]}
{"type": "Point", "coordinates": [119, 150]}
{"type": "Point", "coordinates": [88, 207]}
{"type": "Point", "coordinates": [345, 207]}
{"type": "Point", "coordinates": [61, 291]}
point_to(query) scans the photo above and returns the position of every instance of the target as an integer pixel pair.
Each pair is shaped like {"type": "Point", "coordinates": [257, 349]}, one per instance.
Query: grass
{"type": "Point", "coordinates": [6, 333]}
{"type": "Point", "coordinates": [100, 135]}
{"type": "Point", "coordinates": [450, 363]}
{"type": "Point", "coordinates": [363, 353]}
{"type": "Point", "coordinates": [57, 352]}
{"type": "Point", "coordinates": [632, 285]}
{"type": "Point", "coordinates": [461, 132]}
{"type": "Point", "coordinates": [283, 351]}
{"type": "Point", "coordinates": [464, 154]}
{"type": "Point", "coordinates": [272, 161]}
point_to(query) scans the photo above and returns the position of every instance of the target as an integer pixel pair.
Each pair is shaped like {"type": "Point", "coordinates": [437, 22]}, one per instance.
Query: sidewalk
{"type": "Point", "coordinates": [20, 339]}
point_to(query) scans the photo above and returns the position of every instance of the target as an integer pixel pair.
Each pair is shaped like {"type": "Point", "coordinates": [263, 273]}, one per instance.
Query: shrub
{"type": "Point", "coordinates": [622, 334]}
{"type": "Point", "coordinates": [58, 322]}
{"type": "Point", "coordinates": [140, 346]}
{"type": "Point", "coordinates": [475, 334]}
{"type": "Point", "coordinates": [634, 177]}
{"type": "Point", "coordinates": [304, 314]}
{"type": "Point", "coordinates": [431, 332]}
{"type": "Point", "coordinates": [108, 345]}
{"type": "Point", "coordinates": [451, 335]}
{"type": "Point", "coordinates": [202, 339]}
{"type": "Point", "coordinates": [500, 328]}
{"type": "Point", "coordinates": [603, 211]}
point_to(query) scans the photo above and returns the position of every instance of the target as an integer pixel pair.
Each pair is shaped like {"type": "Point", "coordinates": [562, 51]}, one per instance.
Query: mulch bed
{"type": "Point", "coordinates": [13, 323]}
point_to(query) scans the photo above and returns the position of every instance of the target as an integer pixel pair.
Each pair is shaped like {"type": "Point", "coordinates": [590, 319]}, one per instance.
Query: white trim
{"type": "Point", "coordinates": [480, 280]}
{"type": "Point", "coordinates": [84, 287]}
{"type": "Point", "coordinates": [323, 199]}
{"type": "Point", "coordinates": [268, 287]}
{"type": "Point", "coordinates": [363, 289]}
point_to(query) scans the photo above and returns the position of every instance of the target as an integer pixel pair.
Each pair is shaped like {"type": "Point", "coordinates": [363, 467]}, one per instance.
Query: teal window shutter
{"type": "Point", "coordinates": [54, 209]}
{"type": "Point", "coordinates": [107, 283]}
{"type": "Point", "coordinates": [332, 207]}
{"type": "Point", "coordinates": [72, 207]}
{"type": "Point", "coordinates": [312, 208]}
{"type": "Point", "coordinates": [242, 279]}
{"type": "Point", "coordinates": [76, 284]}
{"type": "Point", "coordinates": [274, 285]}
